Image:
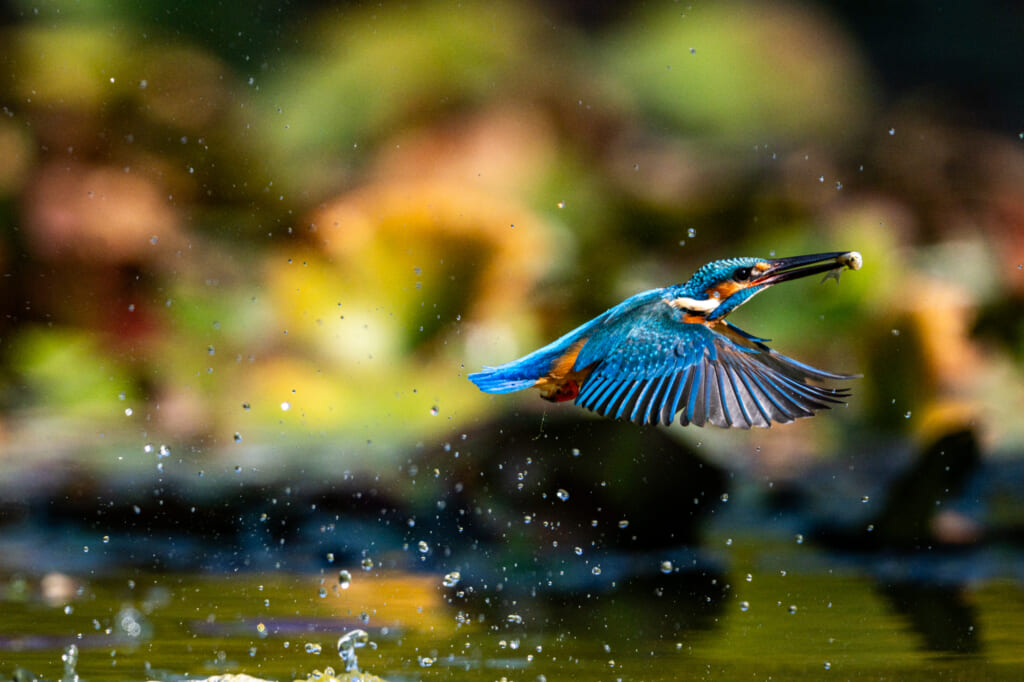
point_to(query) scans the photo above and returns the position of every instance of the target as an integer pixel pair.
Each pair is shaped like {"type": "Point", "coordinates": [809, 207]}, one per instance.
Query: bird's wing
{"type": "Point", "coordinates": [651, 365]}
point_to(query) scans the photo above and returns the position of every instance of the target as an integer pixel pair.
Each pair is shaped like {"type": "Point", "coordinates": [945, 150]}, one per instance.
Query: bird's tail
{"type": "Point", "coordinates": [506, 378]}
{"type": "Point", "coordinates": [524, 372]}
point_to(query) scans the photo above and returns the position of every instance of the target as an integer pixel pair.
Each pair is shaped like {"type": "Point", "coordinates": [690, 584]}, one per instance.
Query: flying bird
{"type": "Point", "coordinates": [671, 351]}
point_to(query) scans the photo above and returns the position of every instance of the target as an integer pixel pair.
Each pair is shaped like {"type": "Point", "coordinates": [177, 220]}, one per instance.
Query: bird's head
{"type": "Point", "coordinates": [722, 286]}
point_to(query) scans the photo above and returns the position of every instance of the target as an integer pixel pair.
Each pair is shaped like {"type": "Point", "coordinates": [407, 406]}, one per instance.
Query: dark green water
{"type": "Point", "coordinates": [821, 618]}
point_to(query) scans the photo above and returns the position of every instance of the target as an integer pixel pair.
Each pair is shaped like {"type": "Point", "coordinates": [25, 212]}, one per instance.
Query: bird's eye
{"type": "Point", "coordinates": [741, 274]}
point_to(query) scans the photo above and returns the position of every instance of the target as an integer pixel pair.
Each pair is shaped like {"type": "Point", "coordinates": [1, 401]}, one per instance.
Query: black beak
{"type": "Point", "coordinates": [785, 269]}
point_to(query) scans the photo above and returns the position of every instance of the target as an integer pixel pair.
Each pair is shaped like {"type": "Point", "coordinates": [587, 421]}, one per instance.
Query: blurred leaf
{"type": "Point", "coordinates": [743, 72]}
{"type": "Point", "coordinates": [67, 371]}
{"type": "Point", "coordinates": [371, 71]}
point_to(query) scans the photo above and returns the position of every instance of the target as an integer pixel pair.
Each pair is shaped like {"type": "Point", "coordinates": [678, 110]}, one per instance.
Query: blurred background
{"type": "Point", "coordinates": [247, 252]}
{"type": "Point", "coordinates": [300, 227]}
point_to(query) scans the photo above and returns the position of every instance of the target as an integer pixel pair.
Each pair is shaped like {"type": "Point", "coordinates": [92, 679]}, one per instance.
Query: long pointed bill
{"type": "Point", "coordinates": [785, 269]}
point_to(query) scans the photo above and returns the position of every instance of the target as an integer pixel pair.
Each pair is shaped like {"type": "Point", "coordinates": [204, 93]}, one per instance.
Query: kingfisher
{"type": "Point", "coordinates": [671, 351]}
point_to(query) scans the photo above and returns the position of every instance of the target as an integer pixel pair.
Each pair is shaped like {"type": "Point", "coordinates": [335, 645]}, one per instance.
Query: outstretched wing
{"type": "Point", "coordinates": [652, 365]}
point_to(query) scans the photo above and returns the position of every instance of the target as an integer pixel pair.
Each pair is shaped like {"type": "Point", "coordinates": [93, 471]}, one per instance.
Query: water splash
{"type": "Point", "coordinates": [70, 658]}
{"type": "Point", "coordinates": [347, 645]}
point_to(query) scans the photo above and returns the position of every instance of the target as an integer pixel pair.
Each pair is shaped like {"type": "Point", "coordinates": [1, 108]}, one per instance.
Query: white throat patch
{"type": "Point", "coordinates": [704, 305]}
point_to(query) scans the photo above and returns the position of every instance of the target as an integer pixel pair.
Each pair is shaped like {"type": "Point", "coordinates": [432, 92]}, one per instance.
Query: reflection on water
{"type": "Point", "coordinates": [655, 564]}
{"type": "Point", "coordinates": [778, 609]}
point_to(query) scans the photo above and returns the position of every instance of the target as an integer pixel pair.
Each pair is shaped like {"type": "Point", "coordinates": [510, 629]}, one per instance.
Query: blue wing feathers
{"type": "Point", "coordinates": [599, 398]}
{"type": "Point", "coordinates": [590, 390]}
{"type": "Point", "coordinates": [693, 388]}
{"type": "Point", "coordinates": [653, 413]}
{"type": "Point", "coordinates": [626, 398]}
{"type": "Point", "coordinates": [678, 387]}
{"type": "Point", "coordinates": [741, 401]}
{"type": "Point", "coordinates": [675, 390]}
{"type": "Point", "coordinates": [722, 398]}
{"type": "Point", "coordinates": [756, 397]}
{"type": "Point", "coordinates": [641, 402]}
{"type": "Point", "coordinates": [773, 399]}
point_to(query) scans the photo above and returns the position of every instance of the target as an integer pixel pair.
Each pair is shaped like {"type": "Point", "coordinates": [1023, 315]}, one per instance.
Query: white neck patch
{"type": "Point", "coordinates": [704, 305]}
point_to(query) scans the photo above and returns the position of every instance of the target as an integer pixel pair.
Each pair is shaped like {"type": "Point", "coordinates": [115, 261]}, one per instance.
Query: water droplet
{"type": "Point", "coordinates": [892, 131]}
{"type": "Point", "coordinates": [347, 645]}
{"type": "Point", "coordinates": [792, 609]}
{"type": "Point", "coordinates": [514, 618]}
{"type": "Point", "coordinates": [575, 452]}
{"type": "Point", "coordinates": [148, 448]}
{"type": "Point", "coordinates": [750, 577]}
{"type": "Point", "coordinates": [164, 451]}
{"type": "Point", "coordinates": [426, 661]}
{"type": "Point", "coordinates": [70, 658]}
{"type": "Point", "coordinates": [828, 665]}
{"type": "Point", "coordinates": [246, 407]}
{"type": "Point", "coordinates": [451, 579]}
{"type": "Point", "coordinates": [434, 410]}
{"type": "Point", "coordinates": [322, 593]}
{"type": "Point", "coordinates": [561, 204]}
{"type": "Point", "coordinates": [367, 564]}
{"type": "Point", "coordinates": [666, 567]}
{"type": "Point", "coordinates": [313, 648]}
{"type": "Point", "coordinates": [728, 542]}
{"type": "Point", "coordinates": [578, 551]}
{"type": "Point", "coordinates": [624, 523]}
{"type": "Point", "coordinates": [344, 579]}
{"type": "Point", "coordinates": [596, 570]}
{"type": "Point", "coordinates": [865, 499]}
{"type": "Point", "coordinates": [423, 547]}
{"type": "Point", "coordinates": [744, 606]}
{"type": "Point", "coordinates": [562, 494]}
{"type": "Point", "coordinates": [238, 437]}
{"type": "Point", "coordinates": [129, 622]}
{"type": "Point", "coordinates": [724, 497]}
{"type": "Point", "coordinates": [128, 411]}
{"type": "Point", "coordinates": [907, 415]}
{"type": "Point", "coordinates": [691, 232]}
{"type": "Point", "coordinates": [799, 539]}
{"type": "Point", "coordinates": [285, 406]}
